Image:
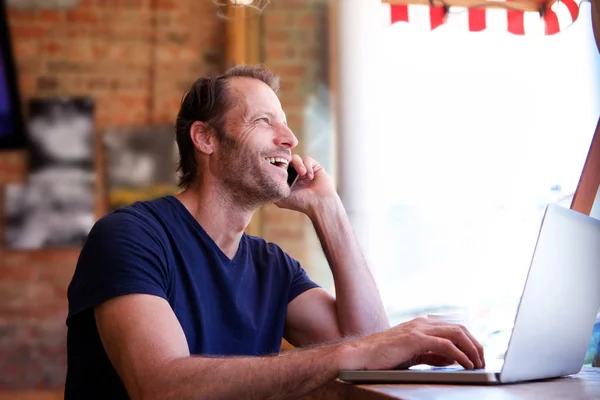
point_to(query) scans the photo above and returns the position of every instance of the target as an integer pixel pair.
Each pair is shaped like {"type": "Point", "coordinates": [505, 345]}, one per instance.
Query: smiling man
{"type": "Point", "coordinates": [172, 300]}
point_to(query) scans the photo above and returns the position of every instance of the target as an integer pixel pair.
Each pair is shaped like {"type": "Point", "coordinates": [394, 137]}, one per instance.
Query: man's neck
{"type": "Point", "coordinates": [219, 216]}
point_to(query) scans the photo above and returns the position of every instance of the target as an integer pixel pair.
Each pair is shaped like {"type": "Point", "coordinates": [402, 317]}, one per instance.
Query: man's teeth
{"type": "Point", "coordinates": [274, 160]}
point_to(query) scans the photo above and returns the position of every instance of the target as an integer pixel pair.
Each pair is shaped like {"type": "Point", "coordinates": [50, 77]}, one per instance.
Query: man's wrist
{"type": "Point", "coordinates": [349, 355]}
{"type": "Point", "coordinates": [331, 205]}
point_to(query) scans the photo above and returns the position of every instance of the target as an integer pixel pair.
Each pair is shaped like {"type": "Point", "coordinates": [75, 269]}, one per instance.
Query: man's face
{"type": "Point", "coordinates": [256, 146]}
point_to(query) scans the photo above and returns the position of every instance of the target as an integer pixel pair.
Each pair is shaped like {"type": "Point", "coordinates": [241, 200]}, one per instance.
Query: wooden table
{"type": "Point", "coordinates": [583, 386]}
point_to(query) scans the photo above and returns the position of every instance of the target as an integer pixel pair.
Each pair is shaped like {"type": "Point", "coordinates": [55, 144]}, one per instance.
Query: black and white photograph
{"type": "Point", "coordinates": [55, 206]}
{"type": "Point", "coordinates": [140, 163]}
{"type": "Point", "coordinates": [54, 209]}
{"type": "Point", "coordinates": [61, 132]}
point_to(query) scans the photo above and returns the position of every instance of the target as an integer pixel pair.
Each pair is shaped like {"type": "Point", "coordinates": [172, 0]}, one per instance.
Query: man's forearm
{"type": "Point", "coordinates": [359, 306]}
{"type": "Point", "coordinates": [287, 376]}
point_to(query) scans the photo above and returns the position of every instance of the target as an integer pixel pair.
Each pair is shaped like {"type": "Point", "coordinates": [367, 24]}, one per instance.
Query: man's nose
{"type": "Point", "coordinates": [285, 137]}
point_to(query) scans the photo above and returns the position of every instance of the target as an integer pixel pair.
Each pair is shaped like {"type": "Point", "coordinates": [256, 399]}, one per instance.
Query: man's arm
{"type": "Point", "coordinates": [314, 316]}
{"type": "Point", "coordinates": [146, 345]}
{"type": "Point", "coordinates": [358, 303]}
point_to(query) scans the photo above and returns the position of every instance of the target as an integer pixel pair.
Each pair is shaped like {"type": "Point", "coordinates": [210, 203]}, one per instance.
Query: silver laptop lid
{"type": "Point", "coordinates": [560, 300]}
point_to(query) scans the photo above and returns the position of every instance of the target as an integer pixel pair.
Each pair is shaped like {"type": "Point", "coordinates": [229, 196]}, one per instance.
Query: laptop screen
{"type": "Point", "coordinates": [6, 117]}
{"type": "Point", "coordinates": [12, 125]}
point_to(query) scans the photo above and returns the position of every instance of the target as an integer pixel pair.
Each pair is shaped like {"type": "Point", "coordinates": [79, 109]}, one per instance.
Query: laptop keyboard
{"type": "Point", "coordinates": [461, 369]}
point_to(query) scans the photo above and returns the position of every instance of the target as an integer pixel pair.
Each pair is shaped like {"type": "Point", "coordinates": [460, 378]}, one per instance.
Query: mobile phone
{"type": "Point", "coordinates": [292, 175]}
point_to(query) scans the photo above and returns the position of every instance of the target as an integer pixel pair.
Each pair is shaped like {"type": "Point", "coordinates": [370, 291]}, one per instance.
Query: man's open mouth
{"type": "Point", "coordinates": [278, 161]}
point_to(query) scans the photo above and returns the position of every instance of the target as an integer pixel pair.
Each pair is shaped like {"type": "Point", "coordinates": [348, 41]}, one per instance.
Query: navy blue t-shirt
{"type": "Point", "coordinates": [225, 307]}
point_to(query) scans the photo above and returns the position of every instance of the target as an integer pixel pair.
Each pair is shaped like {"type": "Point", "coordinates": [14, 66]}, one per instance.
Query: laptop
{"type": "Point", "coordinates": [555, 317]}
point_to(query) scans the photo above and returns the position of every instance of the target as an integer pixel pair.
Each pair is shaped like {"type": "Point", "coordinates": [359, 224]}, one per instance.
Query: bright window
{"type": "Point", "coordinates": [479, 132]}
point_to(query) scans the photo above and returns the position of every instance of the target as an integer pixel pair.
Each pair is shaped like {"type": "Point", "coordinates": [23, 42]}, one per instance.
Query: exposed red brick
{"type": "Point", "coordinates": [289, 5]}
{"type": "Point", "coordinates": [106, 49]}
{"type": "Point", "coordinates": [52, 49]}
{"type": "Point", "coordinates": [278, 52]}
{"type": "Point", "coordinates": [311, 53]}
{"type": "Point", "coordinates": [33, 366]}
{"type": "Point", "coordinates": [283, 235]}
{"type": "Point", "coordinates": [277, 20]}
{"type": "Point", "coordinates": [29, 31]}
{"type": "Point", "coordinates": [175, 53]}
{"type": "Point", "coordinates": [82, 16]}
{"type": "Point", "coordinates": [129, 83]}
{"type": "Point", "coordinates": [51, 16]}
{"type": "Point", "coordinates": [47, 84]}
{"type": "Point", "coordinates": [166, 5]}
{"type": "Point", "coordinates": [112, 5]}
{"type": "Point", "coordinates": [17, 15]}
{"type": "Point", "coordinates": [12, 167]}
{"type": "Point", "coordinates": [136, 4]}
{"type": "Point", "coordinates": [289, 87]}
{"type": "Point", "coordinates": [307, 21]}
{"type": "Point", "coordinates": [17, 273]}
{"type": "Point", "coordinates": [17, 257]}
{"type": "Point", "coordinates": [293, 104]}
{"type": "Point", "coordinates": [25, 49]}
{"type": "Point", "coordinates": [291, 71]}
{"type": "Point", "coordinates": [277, 36]}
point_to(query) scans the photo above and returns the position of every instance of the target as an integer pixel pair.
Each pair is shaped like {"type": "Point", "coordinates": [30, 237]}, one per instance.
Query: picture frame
{"type": "Point", "coordinates": [13, 133]}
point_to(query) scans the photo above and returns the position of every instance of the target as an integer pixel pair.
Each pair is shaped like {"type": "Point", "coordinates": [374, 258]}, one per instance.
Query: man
{"type": "Point", "coordinates": [171, 300]}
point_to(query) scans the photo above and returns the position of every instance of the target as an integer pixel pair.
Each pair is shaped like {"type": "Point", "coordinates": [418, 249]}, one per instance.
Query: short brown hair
{"type": "Point", "coordinates": [207, 101]}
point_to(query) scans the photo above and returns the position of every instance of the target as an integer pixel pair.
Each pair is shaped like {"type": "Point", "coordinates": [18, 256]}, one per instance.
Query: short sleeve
{"type": "Point", "coordinates": [300, 281]}
{"type": "Point", "coordinates": [122, 255]}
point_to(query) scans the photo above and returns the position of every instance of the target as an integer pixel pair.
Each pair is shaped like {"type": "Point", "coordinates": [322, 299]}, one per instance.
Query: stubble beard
{"type": "Point", "coordinates": [248, 183]}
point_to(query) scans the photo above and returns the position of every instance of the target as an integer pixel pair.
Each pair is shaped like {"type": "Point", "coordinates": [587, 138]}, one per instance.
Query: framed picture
{"type": "Point", "coordinates": [140, 163]}
{"type": "Point", "coordinates": [49, 213]}
{"type": "Point", "coordinates": [12, 127]}
{"type": "Point", "coordinates": [55, 207]}
{"type": "Point", "coordinates": [61, 133]}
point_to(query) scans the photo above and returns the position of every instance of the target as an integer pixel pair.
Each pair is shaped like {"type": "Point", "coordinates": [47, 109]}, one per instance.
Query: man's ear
{"type": "Point", "coordinates": [202, 137]}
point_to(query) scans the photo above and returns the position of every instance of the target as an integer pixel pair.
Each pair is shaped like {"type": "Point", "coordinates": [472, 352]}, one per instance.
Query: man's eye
{"type": "Point", "coordinates": [264, 119]}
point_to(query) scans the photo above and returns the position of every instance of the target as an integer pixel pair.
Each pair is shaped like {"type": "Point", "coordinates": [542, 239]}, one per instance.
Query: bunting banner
{"type": "Point", "coordinates": [516, 17]}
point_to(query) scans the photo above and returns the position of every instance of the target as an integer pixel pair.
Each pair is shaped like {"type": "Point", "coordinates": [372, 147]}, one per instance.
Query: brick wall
{"type": "Point", "coordinates": [294, 46]}
{"type": "Point", "coordinates": [135, 61]}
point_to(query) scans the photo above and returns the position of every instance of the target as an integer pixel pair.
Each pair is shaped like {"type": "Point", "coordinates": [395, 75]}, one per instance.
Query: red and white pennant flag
{"type": "Point", "coordinates": [553, 20]}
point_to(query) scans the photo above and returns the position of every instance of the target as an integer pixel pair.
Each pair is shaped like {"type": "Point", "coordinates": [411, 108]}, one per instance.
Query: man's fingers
{"type": "Point", "coordinates": [435, 359]}
{"type": "Point", "coordinates": [478, 346]}
{"type": "Point", "coordinates": [309, 163]}
{"type": "Point", "coordinates": [306, 167]}
{"type": "Point", "coordinates": [464, 343]}
{"type": "Point", "coordinates": [447, 348]}
{"type": "Point", "coordinates": [461, 338]}
{"type": "Point", "coordinates": [298, 165]}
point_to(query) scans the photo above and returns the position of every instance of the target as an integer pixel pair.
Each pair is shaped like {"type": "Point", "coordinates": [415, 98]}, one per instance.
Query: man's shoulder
{"type": "Point", "coordinates": [142, 216]}
{"type": "Point", "coordinates": [260, 243]}
{"type": "Point", "coordinates": [147, 209]}
{"type": "Point", "coordinates": [125, 252]}
{"type": "Point", "coordinates": [260, 247]}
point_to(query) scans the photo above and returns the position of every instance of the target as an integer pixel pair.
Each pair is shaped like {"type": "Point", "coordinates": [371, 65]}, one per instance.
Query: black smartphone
{"type": "Point", "coordinates": [292, 175]}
